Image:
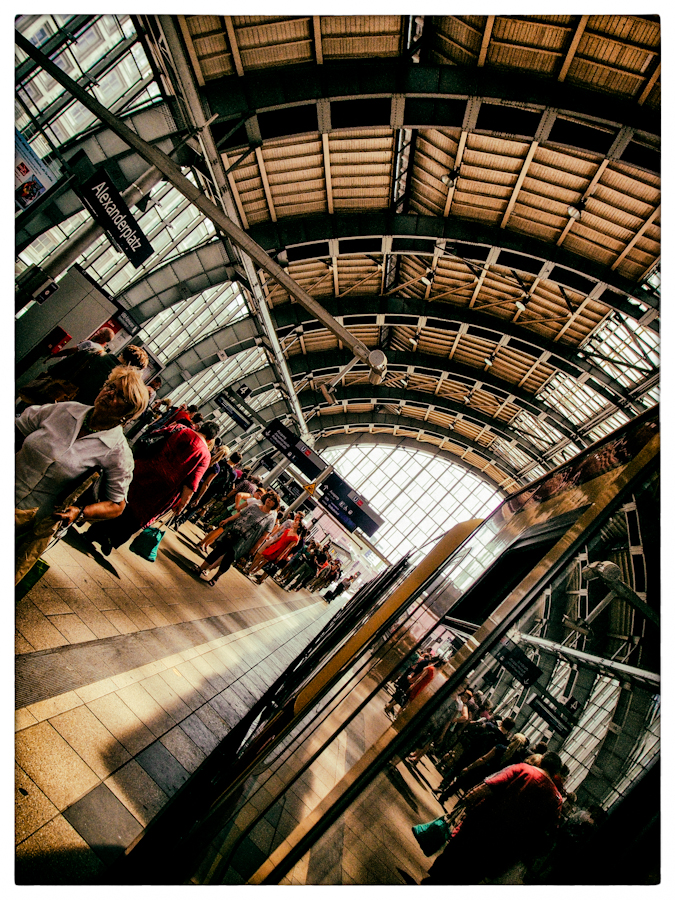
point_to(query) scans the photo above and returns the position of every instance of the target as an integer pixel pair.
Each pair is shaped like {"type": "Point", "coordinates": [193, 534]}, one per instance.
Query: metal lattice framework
{"type": "Point", "coordinates": [477, 196]}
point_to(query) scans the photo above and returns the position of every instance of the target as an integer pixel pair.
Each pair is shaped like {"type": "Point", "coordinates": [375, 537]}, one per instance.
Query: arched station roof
{"type": "Point", "coordinates": [477, 196]}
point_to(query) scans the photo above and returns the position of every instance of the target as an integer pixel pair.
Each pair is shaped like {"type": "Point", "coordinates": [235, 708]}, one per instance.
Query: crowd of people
{"type": "Point", "coordinates": [94, 445]}
{"type": "Point", "coordinates": [512, 807]}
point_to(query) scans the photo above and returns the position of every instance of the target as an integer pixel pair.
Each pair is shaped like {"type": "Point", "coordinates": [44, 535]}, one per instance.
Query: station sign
{"type": "Point", "coordinates": [516, 662]}
{"type": "Point", "coordinates": [110, 211]}
{"type": "Point", "coordinates": [233, 412]}
{"type": "Point", "coordinates": [552, 713]}
{"type": "Point", "coordinates": [349, 508]}
{"type": "Point", "coordinates": [294, 449]}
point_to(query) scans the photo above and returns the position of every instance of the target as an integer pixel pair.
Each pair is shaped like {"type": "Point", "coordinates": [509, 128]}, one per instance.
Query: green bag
{"type": "Point", "coordinates": [432, 836]}
{"type": "Point", "coordinates": [147, 542]}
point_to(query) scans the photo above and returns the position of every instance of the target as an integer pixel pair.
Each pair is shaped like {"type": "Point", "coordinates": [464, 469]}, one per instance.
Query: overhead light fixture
{"type": "Point", "coordinates": [488, 361]}
{"type": "Point", "coordinates": [451, 177]}
{"type": "Point", "coordinates": [428, 278]}
{"type": "Point", "coordinates": [574, 210]}
{"type": "Point", "coordinates": [520, 305]}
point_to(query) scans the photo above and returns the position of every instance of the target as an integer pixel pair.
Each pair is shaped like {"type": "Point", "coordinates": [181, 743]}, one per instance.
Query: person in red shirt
{"type": "Point", "coordinates": [164, 480]}
{"type": "Point", "coordinates": [508, 816]}
{"type": "Point", "coordinates": [280, 548]}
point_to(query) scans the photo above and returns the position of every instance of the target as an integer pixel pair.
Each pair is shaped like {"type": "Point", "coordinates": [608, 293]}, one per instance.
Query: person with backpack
{"type": "Point", "coordinates": [169, 465]}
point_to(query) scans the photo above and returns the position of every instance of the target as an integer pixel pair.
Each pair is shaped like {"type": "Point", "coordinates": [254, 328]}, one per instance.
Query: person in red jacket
{"type": "Point", "coordinates": [508, 817]}
{"type": "Point", "coordinates": [162, 481]}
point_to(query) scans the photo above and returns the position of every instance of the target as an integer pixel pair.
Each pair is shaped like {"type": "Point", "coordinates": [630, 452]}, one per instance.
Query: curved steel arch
{"type": "Point", "coordinates": [322, 227]}
{"type": "Point", "coordinates": [179, 279]}
{"type": "Point", "coordinates": [378, 419]}
{"type": "Point", "coordinates": [339, 439]}
{"type": "Point", "coordinates": [368, 393]}
{"type": "Point", "coordinates": [336, 359]}
{"type": "Point", "coordinates": [233, 339]}
{"type": "Point", "coordinates": [565, 358]}
{"type": "Point", "coordinates": [241, 97]}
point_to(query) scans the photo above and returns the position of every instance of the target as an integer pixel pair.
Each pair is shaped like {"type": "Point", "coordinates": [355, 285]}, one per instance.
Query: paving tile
{"type": "Point", "coordinates": [31, 807]}
{"type": "Point", "coordinates": [137, 791]}
{"type": "Point", "coordinates": [148, 710]}
{"type": "Point", "coordinates": [157, 617]}
{"type": "Point", "coordinates": [36, 628]}
{"type": "Point", "coordinates": [56, 854]}
{"type": "Point", "coordinates": [45, 709]}
{"type": "Point", "coordinates": [23, 718]}
{"type": "Point", "coordinates": [188, 693]}
{"type": "Point", "coordinates": [120, 620]}
{"type": "Point", "coordinates": [121, 722]}
{"type": "Point", "coordinates": [198, 682]}
{"type": "Point", "coordinates": [91, 740]}
{"type": "Point", "coordinates": [53, 765]}
{"type": "Point", "coordinates": [163, 767]}
{"type": "Point", "coordinates": [157, 687]}
{"type": "Point", "coordinates": [48, 600]}
{"type": "Point", "coordinates": [56, 577]}
{"type": "Point", "coordinates": [203, 737]}
{"type": "Point", "coordinates": [21, 645]}
{"type": "Point", "coordinates": [215, 723]}
{"type": "Point", "coordinates": [134, 612]}
{"type": "Point", "coordinates": [103, 822]}
{"type": "Point", "coordinates": [72, 628]}
{"type": "Point", "coordinates": [99, 596]}
{"type": "Point", "coordinates": [89, 613]}
{"type": "Point", "coordinates": [202, 665]}
{"type": "Point", "coordinates": [179, 744]}
{"type": "Point", "coordinates": [96, 689]}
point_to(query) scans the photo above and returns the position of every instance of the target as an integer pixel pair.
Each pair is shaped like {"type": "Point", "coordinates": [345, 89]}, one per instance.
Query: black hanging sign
{"type": "Point", "coordinates": [516, 662]}
{"type": "Point", "coordinates": [106, 205]}
{"type": "Point", "coordinates": [302, 456]}
{"type": "Point", "coordinates": [236, 416]}
{"type": "Point", "coordinates": [348, 507]}
{"type": "Point", "coordinates": [551, 713]}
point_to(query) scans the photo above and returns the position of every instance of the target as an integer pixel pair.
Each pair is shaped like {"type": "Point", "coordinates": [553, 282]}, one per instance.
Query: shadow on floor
{"type": "Point", "coordinates": [183, 563]}
{"type": "Point", "coordinates": [399, 782]}
{"type": "Point", "coordinates": [78, 541]}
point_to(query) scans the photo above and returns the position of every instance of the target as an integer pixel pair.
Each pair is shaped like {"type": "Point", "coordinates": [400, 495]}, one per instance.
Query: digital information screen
{"type": "Point", "coordinates": [295, 450]}
{"type": "Point", "coordinates": [348, 507]}
{"type": "Point", "coordinates": [233, 412]}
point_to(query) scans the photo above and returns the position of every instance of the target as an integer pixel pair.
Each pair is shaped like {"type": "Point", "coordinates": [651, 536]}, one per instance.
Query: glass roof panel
{"type": "Point", "coordinates": [453, 495]}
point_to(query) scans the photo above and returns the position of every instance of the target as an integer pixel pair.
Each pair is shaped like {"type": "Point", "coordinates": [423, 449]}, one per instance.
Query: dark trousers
{"type": "Point", "coordinates": [224, 547]}
{"type": "Point", "coordinates": [118, 530]}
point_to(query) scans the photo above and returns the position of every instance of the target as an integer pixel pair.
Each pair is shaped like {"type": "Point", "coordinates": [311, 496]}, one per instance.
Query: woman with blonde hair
{"type": "Point", "coordinates": [58, 444]}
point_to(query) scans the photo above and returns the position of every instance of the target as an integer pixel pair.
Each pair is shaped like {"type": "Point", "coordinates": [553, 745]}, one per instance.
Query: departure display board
{"type": "Point", "coordinates": [233, 412]}
{"type": "Point", "coordinates": [348, 507]}
{"type": "Point", "coordinates": [295, 450]}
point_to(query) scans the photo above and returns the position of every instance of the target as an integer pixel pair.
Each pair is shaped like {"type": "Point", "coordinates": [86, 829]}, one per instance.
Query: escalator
{"type": "Point", "coordinates": [524, 606]}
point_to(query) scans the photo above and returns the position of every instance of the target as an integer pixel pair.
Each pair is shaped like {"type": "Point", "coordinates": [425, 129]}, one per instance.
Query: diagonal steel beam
{"type": "Point", "coordinates": [173, 174]}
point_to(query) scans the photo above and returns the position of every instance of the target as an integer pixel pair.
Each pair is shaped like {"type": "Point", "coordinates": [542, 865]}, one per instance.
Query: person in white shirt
{"type": "Point", "coordinates": [96, 344]}
{"type": "Point", "coordinates": [60, 442]}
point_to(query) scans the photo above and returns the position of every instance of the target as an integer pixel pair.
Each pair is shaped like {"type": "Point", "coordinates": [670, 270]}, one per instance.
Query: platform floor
{"type": "Point", "coordinates": [128, 674]}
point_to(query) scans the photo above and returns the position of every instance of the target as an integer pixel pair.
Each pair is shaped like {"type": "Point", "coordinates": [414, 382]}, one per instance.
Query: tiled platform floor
{"type": "Point", "coordinates": [128, 674]}
{"type": "Point", "coordinates": [368, 845]}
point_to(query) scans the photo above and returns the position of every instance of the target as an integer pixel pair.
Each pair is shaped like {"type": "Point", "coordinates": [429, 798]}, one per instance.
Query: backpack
{"type": "Point", "coordinates": [151, 445]}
